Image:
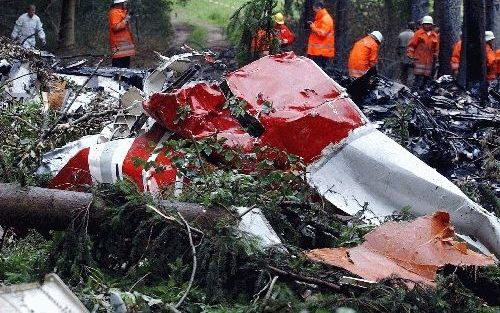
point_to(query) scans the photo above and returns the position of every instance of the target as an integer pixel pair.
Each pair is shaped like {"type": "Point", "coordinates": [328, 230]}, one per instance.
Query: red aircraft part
{"type": "Point", "coordinates": [206, 115]}
{"type": "Point", "coordinates": [308, 111]}
{"type": "Point", "coordinates": [111, 161]}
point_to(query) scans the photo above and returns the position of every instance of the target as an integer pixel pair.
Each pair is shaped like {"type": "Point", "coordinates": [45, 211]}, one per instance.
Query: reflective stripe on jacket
{"type": "Point", "coordinates": [363, 56]}
{"type": "Point", "coordinates": [455, 56]}
{"type": "Point", "coordinates": [120, 35]}
{"type": "Point", "coordinates": [26, 29]}
{"type": "Point", "coordinates": [424, 48]}
{"type": "Point", "coordinates": [491, 63]}
{"type": "Point", "coordinates": [322, 38]}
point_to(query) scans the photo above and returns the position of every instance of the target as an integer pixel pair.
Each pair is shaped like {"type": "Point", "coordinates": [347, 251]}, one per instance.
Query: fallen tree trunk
{"type": "Point", "coordinates": [51, 209]}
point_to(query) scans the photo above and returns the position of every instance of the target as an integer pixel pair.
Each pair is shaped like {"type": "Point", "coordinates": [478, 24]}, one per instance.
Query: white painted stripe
{"type": "Point", "coordinates": [101, 164]}
{"type": "Point", "coordinates": [150, 184]}
{"type": "Point", "coordinates": [118, 157]}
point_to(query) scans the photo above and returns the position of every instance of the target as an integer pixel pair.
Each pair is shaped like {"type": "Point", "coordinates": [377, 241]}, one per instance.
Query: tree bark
{"type": "Point", "coordinates": [67, 25]}
{"type": "Point", "coordinates": [342, 44]}
{"type": "Point", "coordinates": [473, 58]}
{"type": "Point", "coordinates": [51, 209]}
{"type": "Point", "coordinates": [449, 22]}
{"type": "Point", "coordinates": [419, 9]}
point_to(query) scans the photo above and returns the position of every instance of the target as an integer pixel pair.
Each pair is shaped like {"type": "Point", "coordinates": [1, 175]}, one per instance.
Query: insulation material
{"type": "Point", "coordinates": [411, 250]}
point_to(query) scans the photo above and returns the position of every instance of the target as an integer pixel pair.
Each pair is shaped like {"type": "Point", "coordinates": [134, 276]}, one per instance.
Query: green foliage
{"type": "Point", "coordinates": [198, 37]}
{"type": "Point", "coordinates": [244, 24]}
{"type": "Point", "coordinates": [22, 261]}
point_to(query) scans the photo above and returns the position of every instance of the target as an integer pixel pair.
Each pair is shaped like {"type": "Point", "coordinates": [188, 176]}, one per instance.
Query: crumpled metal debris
{"type": "Point", "coordinates": [413, 250]}
{"type": "Point", "coordinates": [353, 165]}
{"type": "Point", "coordinates": [52, 296]}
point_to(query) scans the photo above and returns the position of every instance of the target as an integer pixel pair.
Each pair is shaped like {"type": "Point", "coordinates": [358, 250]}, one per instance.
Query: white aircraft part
{"type": "Point", "coordinates": [106, 159]}
{"type": "Point", "coordinates": [255, 223]}
{"type": "Point", "coordinates": [369, 167]}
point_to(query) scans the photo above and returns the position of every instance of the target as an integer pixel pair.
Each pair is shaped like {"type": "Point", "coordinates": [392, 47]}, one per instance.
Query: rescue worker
{"type": "Point", "coordinates": [321, 43]}
{"type": "Point", "coordinates": [27, 27]}
{"type": "Point", "coordinates": [455, 57]}
{"type": "Point", "coordinates": [284, 34]}
{"type": "Point", "coordinates": [497, 53]}
{"type": "Point", "coordinates": [364, 54]}
{"type": "Point", "coordinates": [423, 49]}
{"type": "Point", "coordinates": [261, 43]}
{"type": "Point", "coordinates": [491, 62]}
{"type": "Point", "coordinates": [120, 34]}
{"type": "Point", "coordinates": [404, 39]}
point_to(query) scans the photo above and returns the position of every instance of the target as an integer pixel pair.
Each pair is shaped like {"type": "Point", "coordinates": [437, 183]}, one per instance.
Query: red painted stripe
{"type": "Point", "coordinates": [141, 149]}
{"type": "Point", "coordinates": [75, 175]}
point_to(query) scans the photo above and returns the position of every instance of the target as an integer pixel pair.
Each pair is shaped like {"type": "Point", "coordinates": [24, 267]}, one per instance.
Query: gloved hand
{"type": "Point", "coordinates": [44, 42]}
{"type": "Point", "coordinates": [127, 18]}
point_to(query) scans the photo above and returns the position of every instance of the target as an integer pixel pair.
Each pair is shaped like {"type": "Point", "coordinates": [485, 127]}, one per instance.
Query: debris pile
{"type": "Point", "coordinates": [288, 168]}
{"type": "Point", "coordinates": [448, 128]}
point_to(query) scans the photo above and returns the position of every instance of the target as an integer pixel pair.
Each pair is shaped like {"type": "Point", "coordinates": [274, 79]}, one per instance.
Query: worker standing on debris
{"type": "Point", "coordinates": [491, 62]}
{"type": "Point", "coordinates": [120, 34]}
{"type": "Point", "coordinates": [423, 49]}
{"type": "Point", "coordinates": [27, 27]}
{"type": "Point", "coordinates": [404, 39]}
{"type": "Point", "coordinates": [321, 44]}
{"type": "Point", "coordinates": [455, 57]}
{"type": "Point", "coordinates": [364, 54]}
{"type": "Point", "coordinates": [285, 35]}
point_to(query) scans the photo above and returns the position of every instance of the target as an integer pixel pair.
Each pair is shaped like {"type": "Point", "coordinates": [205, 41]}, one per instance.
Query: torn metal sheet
{"type": "Point", "coordinates": [52, 296]}
{"type": "Point", "coordinates": [21, 81]}
{"type": "Point", "coordinates": [370, 168]}
{"type": "Point", "coordinates": [413, 250]}
{"type": "Point", "coordinates": [255, 223]}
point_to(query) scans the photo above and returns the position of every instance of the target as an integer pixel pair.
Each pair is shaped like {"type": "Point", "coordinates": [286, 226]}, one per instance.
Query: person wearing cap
{"type": "Point", "coordinates": [423, 49]}
{"type": "Point", "coordinates": [27, 27]}
{"type": "Point", "coordinates": [455, 57]}
{"type": "Point", "coordinates": [120, 34]}
{"type": "Point", "coordinates": [284, 34]}
{"type": "Point", "coordinates": [404, 38]}
{"type": "Point", "coordinates": [321, 42]}
{"type": "Point", "coordinates": [364, 54]}
{"type": "Point", "coordinates": [491, 62]}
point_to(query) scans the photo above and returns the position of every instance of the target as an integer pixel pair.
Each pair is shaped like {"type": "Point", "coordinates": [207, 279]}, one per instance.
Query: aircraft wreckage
{"type": "Point", "coordinates": [289, 104]}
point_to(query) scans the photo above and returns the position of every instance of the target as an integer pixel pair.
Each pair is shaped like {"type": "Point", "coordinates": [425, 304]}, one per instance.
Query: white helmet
{"type": "Point", "coordinates": [489, 35]}
{"type": "Point", "coordinates": [119, 1]}
{"type": "Point", "coordinates": [377, 35]}
{"type": "Point", "coordinates": [427, 20]}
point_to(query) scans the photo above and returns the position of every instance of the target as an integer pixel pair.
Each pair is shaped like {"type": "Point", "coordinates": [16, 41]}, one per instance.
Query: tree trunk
{"type": "Point", "coordinates": [67, 27]}
{"type": "Point", "coordinates": [449, 22]}
{"type": "Point", "coordinates": [342, 44]}
{"type": "Point", "coordinates": [473, 58]}
{"type": "Point", "coordinates": [51, 209]}
{"type": "Point", "coordinates": [493, 19]}
{"type": "Point", "coordinates": [419, 9]}
{"type": "Point", "coordinates": [287, 7]}
{"type": "Point", "coordinates": [304, 31]}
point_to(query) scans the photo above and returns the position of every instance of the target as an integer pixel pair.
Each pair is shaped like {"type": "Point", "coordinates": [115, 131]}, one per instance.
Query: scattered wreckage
{"type": "Point", "coordinates": [352, 164]}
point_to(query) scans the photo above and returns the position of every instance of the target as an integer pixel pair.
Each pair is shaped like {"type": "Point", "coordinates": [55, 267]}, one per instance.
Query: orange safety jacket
{"type": "Point", "coordinates": [120, 35]}
{"type": "Point", "coordinates": [363, 56]}
{"type": "Point", "coordinates": [261, 42]}
{"type": "Point", "coordinates": [285, 34]}
{"type": "Point", "coordinates": [322, 38]}
{"type": "Point", "coordinates": [491, 63]}
{"type": "Point", "coordinates": [424, 48]}
{"type": "Point", "coordinates": [497, 53]}
{"type": "Point", "coordinates": [455, 57]}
